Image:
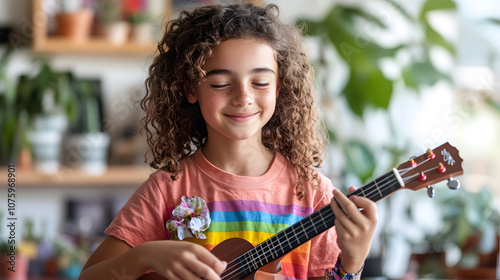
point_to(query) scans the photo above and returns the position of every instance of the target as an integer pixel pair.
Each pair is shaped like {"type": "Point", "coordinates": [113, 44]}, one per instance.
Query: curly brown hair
{"type": "Point", "coordinates": [175, 128]}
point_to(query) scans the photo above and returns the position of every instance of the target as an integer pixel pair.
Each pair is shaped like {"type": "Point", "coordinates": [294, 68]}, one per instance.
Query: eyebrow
{"type": "Point", "coordinates": [229, 72]}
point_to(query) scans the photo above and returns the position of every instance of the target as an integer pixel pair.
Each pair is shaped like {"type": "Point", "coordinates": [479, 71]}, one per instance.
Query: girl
{"type": "Point", "coordinates": [230, 121]}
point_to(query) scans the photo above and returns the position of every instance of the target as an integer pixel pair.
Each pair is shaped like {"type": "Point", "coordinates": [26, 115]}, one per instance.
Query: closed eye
{"type": "Point", "coordinates": [261, 84]}
{"type": "Point", "coordinates": [219, 86]}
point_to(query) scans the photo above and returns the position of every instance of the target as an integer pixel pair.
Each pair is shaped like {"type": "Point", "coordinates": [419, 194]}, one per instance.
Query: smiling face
{"type": "Point", "coordinates": [238, 95]}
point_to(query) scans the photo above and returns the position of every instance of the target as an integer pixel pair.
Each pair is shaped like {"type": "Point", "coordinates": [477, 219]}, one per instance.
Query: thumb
{"type": "Point", "coordinates": [351, 189]}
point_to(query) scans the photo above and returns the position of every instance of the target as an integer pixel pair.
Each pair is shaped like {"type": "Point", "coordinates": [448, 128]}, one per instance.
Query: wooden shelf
{"type": "Point", "coordinates": [93, 46]}
{"type": "Point", "coordinates": [115, 176]}
{"type": "Point", "coordinates": [43, 43]}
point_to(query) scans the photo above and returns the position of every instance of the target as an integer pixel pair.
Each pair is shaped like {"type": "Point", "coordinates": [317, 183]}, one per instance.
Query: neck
{"type": "Point", "coordinates": [241, 158]}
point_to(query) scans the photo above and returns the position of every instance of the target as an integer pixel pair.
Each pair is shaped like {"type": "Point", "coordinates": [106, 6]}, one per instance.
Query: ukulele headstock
{"type": "Point", "coordinates": [436, 165]}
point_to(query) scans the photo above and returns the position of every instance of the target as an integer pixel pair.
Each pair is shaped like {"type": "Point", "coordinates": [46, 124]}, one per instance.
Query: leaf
{"type": "Point", "coordinates": [433, 36]}
{"type": "Point", "coordinates": [350, 13]}
{"type": "Point", "coordinates": [462, 229]}
{"type": "Point", "coordinates": [493, 20]}
{"type": "Point", "coordinates": [433, 5]}
{"type": "Point", "coordinates": [422, 73]}
{"type": "Point", "coordinates": [492, 104]}
{"type": "Point", "coordinates": [398, 7]}
{"type": "Point", "coordinates": [4, 60]}
{"type": "Point", "coordinates": [359, 160]}
{"type": "Point", "coordinates": [368, 87]}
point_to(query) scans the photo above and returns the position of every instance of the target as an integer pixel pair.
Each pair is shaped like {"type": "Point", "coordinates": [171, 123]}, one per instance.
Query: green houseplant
{"type": "Point", "coordinates": [346, 39]}
{"type": "Point", "coordinates": [8, 149]}
{"type": "Point", "coordinates": [88, 142]}
{"type": "Point", "coordinates": [36, 115]}
{"type": "Point", "coordinates": [114, 28]}
{"type": "Point", "coordinates": [142, 26]}
{"type": "Point", "coordinates": [344, 31]}
{"type": "Point", "coordinates": [471, 229]}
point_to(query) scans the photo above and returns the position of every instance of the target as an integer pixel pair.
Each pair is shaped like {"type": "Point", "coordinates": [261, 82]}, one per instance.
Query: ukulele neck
{"type": "Point", "coordinates": [309, 227]}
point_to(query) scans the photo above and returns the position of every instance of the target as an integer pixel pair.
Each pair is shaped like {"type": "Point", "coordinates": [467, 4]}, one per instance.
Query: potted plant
{"type": "Point", "coordinates": [14, 262]}
{"type": "Point", "coordinates": [346, 42]}
{"type": "Point", "coordinates": [74, 20]}
{"type": "Point", "coordinates": [471, 230]}
{"type": "Point", "coordinates": [115, 29]}
{"type": "Point", "coordinates": [142, 27]}
{"type": "Point", "coordinates": [88, 142]}
{"type": "Point", "coordinates": [37, 112]}
{"type": "Point", "coordinates": [9, 120]}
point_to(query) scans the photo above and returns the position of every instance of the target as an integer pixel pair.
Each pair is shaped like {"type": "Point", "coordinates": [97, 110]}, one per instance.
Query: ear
{"type": "Point", "coordinates": [278, 89]}
{"type": "Point", "coordinates": [190, 95]}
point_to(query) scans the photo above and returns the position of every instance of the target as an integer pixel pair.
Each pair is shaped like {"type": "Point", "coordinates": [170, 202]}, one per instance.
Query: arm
{"type": "Point", "coordinates": [354, 228]}
{"type": "Point", "coordinates": [172, 259]}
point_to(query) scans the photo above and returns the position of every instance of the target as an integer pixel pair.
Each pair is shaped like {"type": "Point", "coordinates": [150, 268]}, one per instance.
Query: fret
{"type": "Point", "coordinates": [274, 249]}
{"type": "Point", "coordinates": [288, 240]}
{"type": "Point", "coordinates": [378, 189]}
{"type": "Point", "coordinates": [322, 219]}
{"type": "Point", "coordinates": [279, 243]}
{"type": "Point", "coordinates": [252, 260]}
{"type": "Point", "coordinates": [305, 231]}
{"type": "Point", "coordinates": [312, 223]}
{"type": "Point", "coordinates": [362, 191]}
{"type": "Point", "coordinates": [261, 248]}
{"type": "Point", "coordinates": [295, 234]}
{"type": "Point", "coordinates": [248, 269]}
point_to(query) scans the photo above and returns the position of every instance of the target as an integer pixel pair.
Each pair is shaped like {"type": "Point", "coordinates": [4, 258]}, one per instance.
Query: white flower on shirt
{"type": "Point", "coordinates": [190, 218]}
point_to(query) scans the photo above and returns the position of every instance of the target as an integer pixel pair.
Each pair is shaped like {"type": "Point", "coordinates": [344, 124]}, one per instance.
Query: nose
{"type": "Point", "coordinates": [243, 96]}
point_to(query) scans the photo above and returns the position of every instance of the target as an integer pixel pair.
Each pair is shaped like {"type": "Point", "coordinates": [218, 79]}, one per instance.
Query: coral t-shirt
{"type": "Point", "coordinates": [252, 208]}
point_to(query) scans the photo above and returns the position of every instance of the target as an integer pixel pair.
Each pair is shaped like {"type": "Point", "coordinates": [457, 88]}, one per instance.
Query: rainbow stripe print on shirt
{"type": "Point", "coordinates": [256, 221]}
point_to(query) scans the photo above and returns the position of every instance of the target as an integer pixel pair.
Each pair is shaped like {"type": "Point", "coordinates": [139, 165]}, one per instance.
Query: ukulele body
{"type": "Point", "coordinates": [231, 249]}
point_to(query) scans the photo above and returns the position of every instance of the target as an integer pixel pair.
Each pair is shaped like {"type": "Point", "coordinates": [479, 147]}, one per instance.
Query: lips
{"type": "Point", "coordinates": [241, 118]}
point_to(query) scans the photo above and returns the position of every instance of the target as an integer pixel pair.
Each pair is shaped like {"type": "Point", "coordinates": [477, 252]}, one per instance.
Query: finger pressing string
{"type": "Point", "coordinates": [341, 208]}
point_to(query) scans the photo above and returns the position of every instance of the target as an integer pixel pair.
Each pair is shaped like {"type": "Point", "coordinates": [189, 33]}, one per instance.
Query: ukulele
{"type": "Point", "coordinates": [262, 261]}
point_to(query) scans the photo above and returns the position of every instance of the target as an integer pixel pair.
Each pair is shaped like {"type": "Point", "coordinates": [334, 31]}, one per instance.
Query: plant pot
{"type": "Point", "coordinates": [142, 33]}
{"type": "Point", "coordinates": [45, 139]}
{"type": "Point", "coordinates": [45, 147]}
{"type": "Point", "coordinates": [117, 32]}
{"type": "Point", "coordinates": [75, 26]}
{"type": "Point", "coordinates": [89, 152]}
{"type": "Point", "coordinates": [19, 264]}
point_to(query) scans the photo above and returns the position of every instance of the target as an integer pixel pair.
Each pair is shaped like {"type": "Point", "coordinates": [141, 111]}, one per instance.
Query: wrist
{"type": "Point", "coordinates": [350, 264]}
{"type": "Point", "coordinates": [140, 253]}
{"type": "Point", "coordinates": [340, 273]}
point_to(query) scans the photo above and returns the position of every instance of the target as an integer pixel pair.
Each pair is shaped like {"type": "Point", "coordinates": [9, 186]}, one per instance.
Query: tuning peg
{"type": "Point", "coordinates": [453, 184]}
{"type": "Point", "coordinates": [430, 191]}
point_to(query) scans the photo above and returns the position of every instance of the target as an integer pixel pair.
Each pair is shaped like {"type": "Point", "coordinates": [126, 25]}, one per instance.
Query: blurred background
{"type": "Point", "coordinates": [394, 78]}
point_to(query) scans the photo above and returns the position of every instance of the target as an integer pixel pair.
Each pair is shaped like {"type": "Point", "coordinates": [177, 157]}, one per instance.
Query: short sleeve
{"type": "Point", "coordinates": [324, 248]}
{"type": "Point", "coordinates": [142, 218]}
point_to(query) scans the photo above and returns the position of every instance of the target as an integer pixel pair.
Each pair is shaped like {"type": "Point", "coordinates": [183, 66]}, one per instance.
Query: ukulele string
{"type": "Point", "coordinates": [255, 253]}
{"type": "Point", "coordinates": [403, 171]}
{"type": "Point", "coordinates": [258, 256]}
{"type": "Point", "coordinates": [412, 177]}
{"type": "Point", "coordinates": [370, 192]}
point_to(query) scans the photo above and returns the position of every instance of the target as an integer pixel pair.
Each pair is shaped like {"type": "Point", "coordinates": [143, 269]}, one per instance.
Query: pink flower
{"type": "Point", "coordinates": [190, 218]}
